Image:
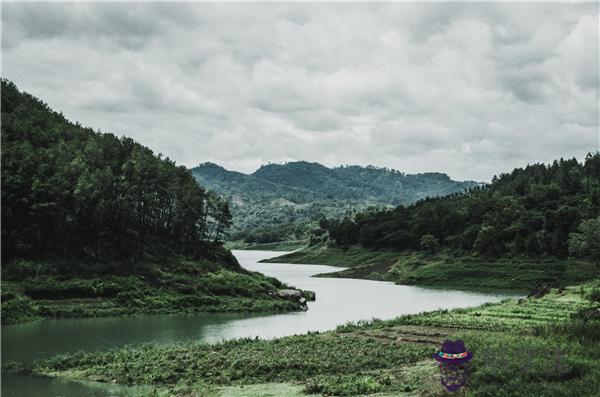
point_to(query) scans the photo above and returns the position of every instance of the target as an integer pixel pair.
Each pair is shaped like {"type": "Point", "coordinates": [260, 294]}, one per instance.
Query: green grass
{"type": "Point", "coordinates": [242, 361]}
{"type": "Point", "coordinates": [535, 347]}
{"type": "Point", "coordinates": [444, 270]}
{"type": "Point", "coordinates": [510, 315]}
{"type": "Point", "coordinates": [264, 390]}
{"type": "Point", "coordinates": [499, 273]}
{"type": "Point", "coordinates": [33, 290]}
{"type": "Point", "coordinates": [322, 254]}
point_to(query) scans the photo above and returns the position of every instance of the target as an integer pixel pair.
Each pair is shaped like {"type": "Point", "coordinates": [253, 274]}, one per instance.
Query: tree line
{"type": "Point", "coordinates": [69, 191]}
{"type": "Point", "coordinates": [538, 210]}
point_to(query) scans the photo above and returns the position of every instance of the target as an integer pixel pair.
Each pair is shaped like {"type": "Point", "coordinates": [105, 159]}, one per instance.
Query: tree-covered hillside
{"type": "Point", "coordinates": [540, 210]}
{"type": "Point", "coordinates": [70, 191]}
{"type": "Point", "coordinates": [285, 201]}
{"type": "Point", "coordinates": [381, 185]}
{"type": "Point", "coordinates": [96, 225]}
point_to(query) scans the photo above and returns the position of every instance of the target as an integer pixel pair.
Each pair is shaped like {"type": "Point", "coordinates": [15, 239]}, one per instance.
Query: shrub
{"type": "Point", "coordinates": [18, 310]}
{"type": "Point", "coordinates": [429, 243]}
{"type": "Point", "coordinates": [586, 242]}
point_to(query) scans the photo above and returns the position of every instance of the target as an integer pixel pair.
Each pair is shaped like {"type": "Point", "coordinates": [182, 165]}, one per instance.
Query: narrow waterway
{"type": "Point", "coordinates": [338, 301]}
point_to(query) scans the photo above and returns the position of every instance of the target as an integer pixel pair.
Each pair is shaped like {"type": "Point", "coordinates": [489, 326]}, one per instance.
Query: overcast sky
{"type": "Point", "coordinates": [470, 90]}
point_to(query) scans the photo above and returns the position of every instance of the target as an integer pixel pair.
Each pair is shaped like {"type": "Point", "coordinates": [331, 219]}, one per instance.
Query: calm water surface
{"type": "Point", "coordinates": [338, 301]}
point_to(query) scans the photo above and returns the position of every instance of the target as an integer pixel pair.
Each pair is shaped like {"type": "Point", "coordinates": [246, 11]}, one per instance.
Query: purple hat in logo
{"type": "Point", "coordinates": [453, 352]}
{"type": "Point", "coordinates": [454, 367]}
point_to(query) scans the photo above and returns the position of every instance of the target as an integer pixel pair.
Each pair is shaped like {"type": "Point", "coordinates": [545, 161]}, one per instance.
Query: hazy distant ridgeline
{"type": "Point", "coordinates": [281, 201]}
{"type": "Point", "coordinates": [301, 181]}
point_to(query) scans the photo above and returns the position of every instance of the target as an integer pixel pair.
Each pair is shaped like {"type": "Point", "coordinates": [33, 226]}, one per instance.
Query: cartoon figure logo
{"type": "Point", "coordinates": [453, 359]}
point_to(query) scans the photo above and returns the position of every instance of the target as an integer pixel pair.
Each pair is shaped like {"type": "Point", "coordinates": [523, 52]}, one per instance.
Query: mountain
{"type": "Point", "coordinates": [232, 183]}
{"type": "Point", "coordinates": [282, 201]}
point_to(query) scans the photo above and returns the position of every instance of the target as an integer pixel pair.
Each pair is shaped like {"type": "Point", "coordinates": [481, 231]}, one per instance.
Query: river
{"type": "Point", "coordinates": [338, 301]}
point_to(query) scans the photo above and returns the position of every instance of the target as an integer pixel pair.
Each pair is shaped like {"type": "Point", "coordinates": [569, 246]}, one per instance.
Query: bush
{"type": "Point", "coordinates": [429, 243]}
{"type": "Point", "coordinates": [593, 295]}
{"type": "Point", "coordinates": [131, 297]}
{"type": "Point", "coordinates": [18, 310]}
{"type": "Point", "coordinates": [586, 242]}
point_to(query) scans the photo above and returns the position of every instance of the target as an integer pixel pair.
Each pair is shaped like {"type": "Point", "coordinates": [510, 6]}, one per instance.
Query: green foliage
{"type": "Point", "coordinates": [539, 210]}
{"type": "Point", "coordinates": [528, 348]}
{"type": "Point", "coordinates": [18, 310]}
{"type": "Point", "coordinates": [510, 315]}
{"type": "Point", "coordinates": [347, 385]}
{"type": "Point", "coordinates": [592, 291]}
{"type": "Point", "coordinates": [334, 256]}
{"type": "Point", "coordinates": [71, 290]}
{"type": "Point", "coordinates": [281, 202]}
{"type": "Point", "coordinates": [68, 191]}
{"type": "Point", "coordinates": [487, 241]}
{"type": "Point", "coordinates": [243, 361]}
{"type": "Point", "coordinates": [429, 243]}
{"type": "Point", "coordinates": [524, 365]}
{"type": "Point", "coordinates": [445, 270]}
{"type": "Point", "coordinates": [586, 241]}
{"type": "Point", "coordinates": [96, 225]}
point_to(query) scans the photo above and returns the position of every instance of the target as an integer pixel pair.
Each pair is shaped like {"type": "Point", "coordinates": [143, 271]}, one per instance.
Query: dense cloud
{"type": "Point", "coordinates": [471, 90]}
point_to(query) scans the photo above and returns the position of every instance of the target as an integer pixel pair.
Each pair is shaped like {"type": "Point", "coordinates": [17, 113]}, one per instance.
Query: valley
{"type": "Point", "coordinates": [281, 203]}
{"type": "Point", "coordinates": [118, 275]}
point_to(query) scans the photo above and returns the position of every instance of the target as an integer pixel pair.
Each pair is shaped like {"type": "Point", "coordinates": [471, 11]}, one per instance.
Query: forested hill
{"type": "Point", "coordinates": [68, 191]}
{"type": "Point", "coordinates": [96, 225]}
{"type": "Point", "coordinates": [302, 181]}
{"type": "Point", "coordinates": [285, 201]}
{"type": "Point", "coordinates": [540, 210]}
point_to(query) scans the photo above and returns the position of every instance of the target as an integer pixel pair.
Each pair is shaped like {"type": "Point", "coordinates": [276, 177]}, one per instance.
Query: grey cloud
{"type": "Point", "coordinates": [128, 25]}
{"type": "Point", "coordinates": [470, 89]}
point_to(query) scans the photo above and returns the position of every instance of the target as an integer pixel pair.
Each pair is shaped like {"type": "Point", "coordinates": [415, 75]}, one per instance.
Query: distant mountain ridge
{"type": "Point", "coordinates": [227, 183]}
{"type": "Point", "coordinates": [282, 201]}
{"type": "Point", "coordinates": [299, 181]}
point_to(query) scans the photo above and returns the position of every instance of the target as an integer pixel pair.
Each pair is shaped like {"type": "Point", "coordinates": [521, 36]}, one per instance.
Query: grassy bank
{"type": "Point", "coordinates": [536, 347]}
{"type": "Point", "coordinates": [322, 254]}
{"type": "Point", "coordinates": [276, 246]}
{"type": "Point", "coordinates": [443, 270]}
{"type": "Point", "coordinates": [34, 290]}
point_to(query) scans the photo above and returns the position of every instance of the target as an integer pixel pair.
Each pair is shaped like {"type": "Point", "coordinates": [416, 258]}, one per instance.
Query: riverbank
{"type": "Point", "coordinates": [36, 290]}
{"type": "Point", "coordinates": [444, 270]}
{"type": "Point", "coordinates": [275, 246]}
{"type": "Point", "coordinates": [548, 346]}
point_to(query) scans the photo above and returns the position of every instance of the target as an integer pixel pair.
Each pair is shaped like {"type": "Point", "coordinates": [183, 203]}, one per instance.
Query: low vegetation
{"type": "Point", "coordinates": [520, 347]}
{"type": "Point", "coordinates": [32, 290]}
{"type": "Point", "coordinates": [324, 254]}
{"type": "Point", "coordinates": [445, 270]}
